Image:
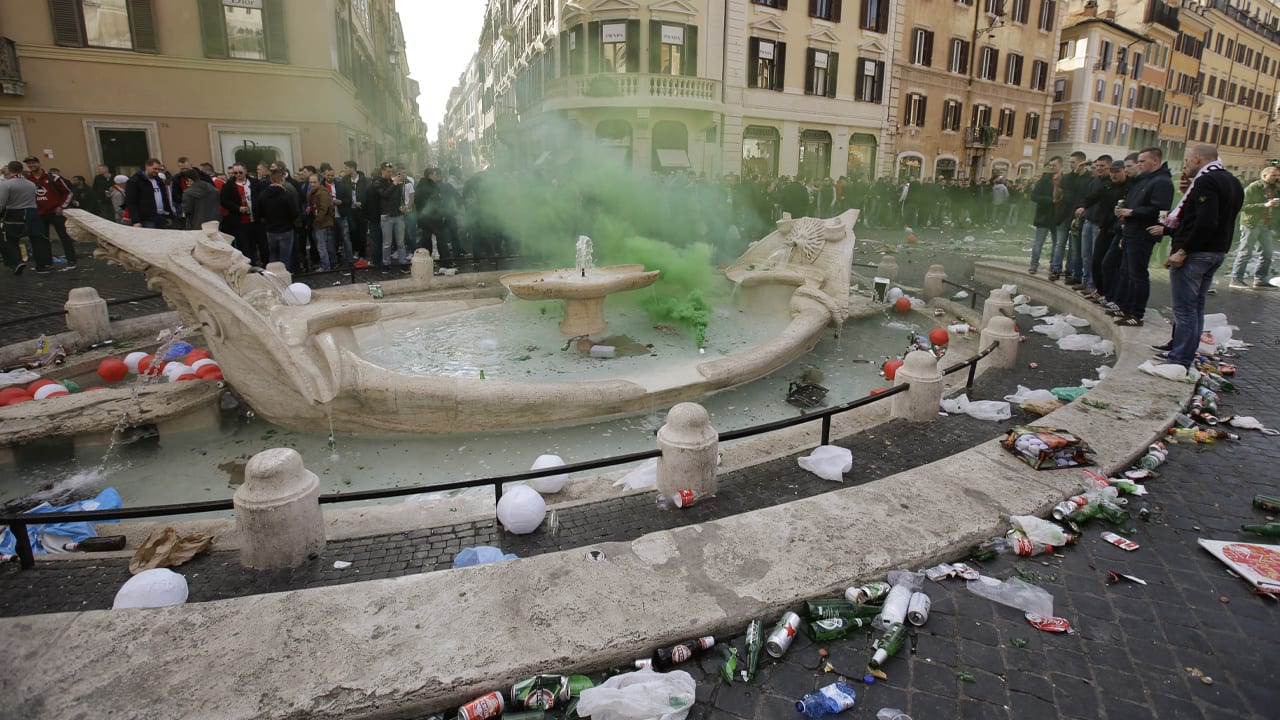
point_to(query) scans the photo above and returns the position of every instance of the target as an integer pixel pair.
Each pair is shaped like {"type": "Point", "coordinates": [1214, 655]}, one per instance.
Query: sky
{"type": "Point", "coordinates": [440, 38]}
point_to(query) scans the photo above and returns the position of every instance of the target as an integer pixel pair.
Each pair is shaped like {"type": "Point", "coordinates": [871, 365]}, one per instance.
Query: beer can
{"type": "Point", "coordinates": [1266, 503]}
{"type": "Point", "coordinates": [485, 707]}
{"type": "Point", "coordinates": [918, 609]}
{"type": "Point", "coordinates": [783, 633]}
{"type": "Point", "coordinates": [540, 692]}
{"type": "Point", "coordinates": [868, 593]}
{"type": "Point", "coordinates": [1049, 624]}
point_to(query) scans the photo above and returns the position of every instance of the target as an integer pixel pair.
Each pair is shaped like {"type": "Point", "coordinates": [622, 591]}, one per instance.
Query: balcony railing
{"type": "Point", "coordinates": [634, 86]}
{"type": "Point", "coordinates": [985, 136]}
{"type": "Point", "coordinates": [10, 74]}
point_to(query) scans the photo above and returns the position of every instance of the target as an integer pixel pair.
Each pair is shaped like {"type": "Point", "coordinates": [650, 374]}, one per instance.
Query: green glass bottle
{"type": "Point", "coordinates": [838, 607]}
{"type": "Point", "coordinates": [887, 645]}
{"type": "Point", "coordinates": [833, 628]}
{"type": "Point", "coordinates": [1271, 529]}
{"type": "Point", "coordinates": [754, 643]}
{"type": "Point", "coordinates": [1266, 503]}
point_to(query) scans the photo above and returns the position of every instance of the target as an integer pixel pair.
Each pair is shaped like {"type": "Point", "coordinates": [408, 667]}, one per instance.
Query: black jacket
{"type": "Point", "coordinates": [278, 208]}
{"type": "Point", "coordinates": [140, 198]}
{"type": "Point", "coordinates": [351, 192]}
{"type": "Point", "coordinates": [229, 198]}
{"type": "Point", "coordinates": [390, 197]}
{"type": "Point", "coordinates": [1049, 214]}
{"type": "Point", "coordinates": [200, 204]}
{"type": "Point", "coordinates": [1208, 217]}
{"type": "Point", "coordinates": [1096, 205]}
{"type": "Point", "coordinates": [1151, 195]}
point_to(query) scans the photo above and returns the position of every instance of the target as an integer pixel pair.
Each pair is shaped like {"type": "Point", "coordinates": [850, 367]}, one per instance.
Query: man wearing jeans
{"type": "Point", "coordinates": [1258, 225]}
{"type": "Point", "coordinates": [390, 201]}
{"type": "Point", "coordinates": [21, 217]}
{"type": "Point", "coordinates": [1202, 227]}
{"type": "Point", "coordinates": [1151, 195]}
{"type": "Point", "coordinates": [279, 209]}
{"type": "Point", "coordinates": [53, 195]}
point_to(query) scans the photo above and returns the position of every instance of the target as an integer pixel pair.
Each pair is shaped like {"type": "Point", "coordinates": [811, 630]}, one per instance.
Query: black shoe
{"type": "Point", "coordinates": [1053, 276]}
{"type": "Point", "coordinates": [69, 266]}
{"type": "Point", "coordinates": [1163, 348]}
{"type": "Point", "coordinates": [1128, 321]}
{"type": "Point", "coordinates": [17, 270]}
{"type": "Point", "coordinates": [42, 270]}
{"type": "Point", "coordinates": [1259, 285]}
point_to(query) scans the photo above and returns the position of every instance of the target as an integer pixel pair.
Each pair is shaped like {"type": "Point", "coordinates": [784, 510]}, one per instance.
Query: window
{"type": "Point", "coordinates": [1059, 89]}
{"type": "Point", "coordinates": [914, 110]}
{"type": "Point", "coordinates": [1195, 125]}
{"type": "Point", "coordinates": [1213, 85]}
{"type": "Point", "coordinates": [1231, 94]}
{"type": "Point", "coordinates": [1066, 49]}
{"type": "Point", "coordinates": [1133, 96]}
{"type": "Point", "coordinates": [243, 31]}
{"type": "Point", "coordinates": [1100, 90]}
{"type": "Point", "coordinates": [1031, 126]}
{"type": "Point", "coordinates": [1095, 127]}
{"type": "Point", "coordinates": [779, 4]}
{"type": "Point", "coordinates": [874, 15]}
{"type": "Point", "coordinates": [1055, 129]}
{"type": "Point", "coordinates": [1104, 57]}
{"type": "Point", "coordinates": [767, 64]}
{"type": "Point", "coordinates": [1021, 11]}
{"type": "Point", "coordinates": [1111, 132]}
{"type": "Point", "coordinates": [988, 60]}
{"type": "Point", "coordinates": [613, 47]}
{"type": "Point", "coordinates": [1008, 120]}
{"type": "Point", "coordinates": [921, 47]}
{"type": "Point", "coordinates": [673, 49]}
{"type": "Point", "coordinates": [1048, 14]}
{"type": "Point", "coordinates": [1124, 133]}
{"type": "Point", "coordinates": [951, 115]}
{"type": "Point", "coordinates": [825, 10]}
{"type": "Point", "coordinates": [1013, 69]}
{"type": "Point", "coordinates": [1137, 66]}
{"type": "Point", "coordinates": [1235, 137]}
{"type": "Point", "coordinates": [1039, 74]}
{"type": "Point", "coordinates": [113, 24]}
{"type": "Point", "coordinates": [1117, 91]}
{"type": "Point", "coordinates": [820, 75]}
{"type": "Point", "coordinates": [870, 83]}
{"type": "Point", "coordinates": [958, 62]}
{"type": "Point", "coordinates": [980, 116]}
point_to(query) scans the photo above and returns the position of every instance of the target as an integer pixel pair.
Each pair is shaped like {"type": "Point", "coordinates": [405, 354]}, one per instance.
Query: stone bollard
{"type": "Point", "coordinates": [920, 403]}
{"type": "Point", "coordinates": [690, 448]}
{"type": "Point", "coordinates": [933, 283]}
{"type": "Point", "coordinates": [999, 303]}
{"type": "Point", "coordinates": [1006, 356]}
{"type": "Point", "coordinates": [888, 268]}
{"type": "Point", "coordinates": [277, 509]}
{"type": "Point", "coordinates": [87, 315]}
{"type": "Point", "coordinates": [280, 271]}
{"type": "Point", "coordinates": [422, 266]}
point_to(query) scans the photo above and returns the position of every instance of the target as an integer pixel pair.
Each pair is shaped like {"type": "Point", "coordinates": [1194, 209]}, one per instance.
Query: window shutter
{"type": "Point", "coordinates": [67, 29]}
{"type": "Point", "coordinates": [835, 11]}
{"type": "Point", "coordinates": [859, 80]}
{"type": "Point", "coordinates": [782, 4]}
{"type": "Point", "coordinates": [928, 49]}
{"type": "Point", "coordinates": [633, 46]}
{"type": "Point", "coordinates": [142, 26]}
{"type": "Point", "coordinates": [833, 64]}
{"type": "Point", "coordinates": [780, 62]}
{"type": "Point", "coordinates": [924, 109]}
{"type": "Point", "coordinates": [964, 57]}
{"type": "Point", "coordinates": [809, 59]}
{"type": "Point", "coordinates": [753, 61]}
{"type": "Point", "coordinates": [995, 62]}
{"type": "Point", "coordinates": [594, 47]}
{"type": "Point", "coordinates": [273, 20]}
{"type": "Point", "coordinates": [655, 46]}
{"type": "Point", "coordinates": [566, 67]}
{"type": "Point", "coordinates": [906, 111]}
{"type": "Point", "coordinates": [690, 54]}
{"type": "Point", "coordinates": [213, 29]}
{"type": "Point", "coordinates": [882, 17]}
{"type": "Point", "coordinates": [879, 88]}
{"type": "Point", "coordinates": [813, 8]}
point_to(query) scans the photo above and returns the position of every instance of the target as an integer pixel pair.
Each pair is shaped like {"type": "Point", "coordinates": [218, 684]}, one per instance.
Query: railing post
{"type": "Point", "coordinates": [690, 447]}
{"type": "Point", "coordinates": [998, 303]}
{"type": "Point", "coordinates": [973, 370]}
{"type": "Point", "coordinates": [22, 543]}
{"type": "Point", "coordinates": [826, 429]}
{"type": "Point", "coordinates": [920, 402]}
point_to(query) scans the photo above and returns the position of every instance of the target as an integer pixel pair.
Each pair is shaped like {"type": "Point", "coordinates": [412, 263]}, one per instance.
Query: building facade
{"type": "Point", "coordinates": [114, 82]}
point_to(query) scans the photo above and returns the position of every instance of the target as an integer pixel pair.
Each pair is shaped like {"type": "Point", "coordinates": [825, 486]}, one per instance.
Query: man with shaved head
{"type": "Point", "coordinates": [1258, 226]}
{"type": "Point", "coordinates": [1202, 226]}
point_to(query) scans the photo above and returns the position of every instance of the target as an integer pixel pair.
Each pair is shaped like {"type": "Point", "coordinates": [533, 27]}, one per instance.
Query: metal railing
{"type": "Point", "coordinates": [18, 523]}
{"type": "Point", "coordinates": [973, 292]}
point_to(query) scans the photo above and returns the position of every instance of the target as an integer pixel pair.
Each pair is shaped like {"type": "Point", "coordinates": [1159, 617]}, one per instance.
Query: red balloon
{"type": "Point", "coordinates": [33, 387]}
{"type": "Point", "coordinates": [113, 370]}
{"type": "Point", "coordinates": [902, 305]}
{"type": "Point", "coordinates": [911, 239]}
{"type": "Point", "coordinates": [92, 388]}
{"type": "Point", "coordinates": [19, 399]}
{"type": "Point", "coordinates": [145, 365]}
{"type": "Point", "coordinates": [890, 368]}
{"type": "Point", "coordinates": [195, 355]}
{"type": "Point", "coordinates": [187, 376]}
{"type": "Point", "coordinates": [204, 370]}
{"type": "Point", "coordinates": [12, 390]}
{"type": "Point", "coordinates": [939, 336]}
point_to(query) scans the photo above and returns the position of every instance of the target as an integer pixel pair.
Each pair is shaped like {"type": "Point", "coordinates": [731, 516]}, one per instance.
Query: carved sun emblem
{"type": "Point", "coordinates": [807, 236]}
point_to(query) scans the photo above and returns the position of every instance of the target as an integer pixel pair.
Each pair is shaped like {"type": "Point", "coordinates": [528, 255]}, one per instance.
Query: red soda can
{"type": "Point", "coordinates": [1049, 624]}
{"type": "Point", "coordinates": [485, 707]}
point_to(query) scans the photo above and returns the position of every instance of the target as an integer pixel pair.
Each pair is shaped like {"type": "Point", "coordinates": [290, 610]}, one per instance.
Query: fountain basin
{"type": "Point", "coordinates": [583, 292]}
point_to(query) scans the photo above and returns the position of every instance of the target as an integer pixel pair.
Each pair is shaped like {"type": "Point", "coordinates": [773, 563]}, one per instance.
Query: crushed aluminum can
{"type": "Point", "coordinates": [965, 572]}
{"type": "Point", "coordinates": [918, 609]}
{"type": "Point", "coordinates": [1120, 542]}
{"type": "Point", "coordinates": [1048, 624]}
{"type": "Point", "coordinates": [870, 592]}
{"type": "Point", "coordinates": [783, 633]}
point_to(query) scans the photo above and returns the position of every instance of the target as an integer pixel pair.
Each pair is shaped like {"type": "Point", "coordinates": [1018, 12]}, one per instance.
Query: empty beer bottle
{"type": "Point", "coordinates": [887, 645]}
{"type": "Point", "coordinates": [834, 627]}
{"type": "Point", "coordinates": [1271, 529]}
{"type": "Point", "coordinates": [754, 642]}
{"type": "Point", "coordinates": [1267, 503]}
{"type": "Point", "coordinates": [831, 608]}
{"type": "Point", "coordinates": [666, 658]}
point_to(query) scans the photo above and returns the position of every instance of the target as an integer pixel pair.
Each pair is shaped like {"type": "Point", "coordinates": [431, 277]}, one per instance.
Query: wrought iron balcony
{"type": "Point", "coordinates": [984, 136]}
{"type": "Point", "coordinates": [10, 73]}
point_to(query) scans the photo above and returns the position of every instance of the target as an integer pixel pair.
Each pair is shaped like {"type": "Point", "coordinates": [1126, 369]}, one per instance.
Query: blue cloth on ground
{"type": "Point", "coordinates": [108, 499]}
{"type": "Point", "coordinates": [480, 555]}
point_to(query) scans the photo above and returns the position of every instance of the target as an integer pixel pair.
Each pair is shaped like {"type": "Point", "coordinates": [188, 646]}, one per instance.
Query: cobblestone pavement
{"type": "Point", "coordinates": [1126, 660]}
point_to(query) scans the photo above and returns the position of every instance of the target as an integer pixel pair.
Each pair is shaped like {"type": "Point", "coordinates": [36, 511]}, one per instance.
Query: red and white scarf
{"type": "Point", "coordinates": [1173, 219]}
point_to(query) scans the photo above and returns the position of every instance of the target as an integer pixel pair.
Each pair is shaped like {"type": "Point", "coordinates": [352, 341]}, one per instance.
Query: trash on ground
{"type": "Point", "coordinates": [1114, 577]}
{"type": "Point", "coordinates": [1055, 328]}
{"type": "Point", "coordinates": [1015, 593]}
{"type": "Point", "coordinates": [341, 564]}
{"type": "Point", "coordinates": [641, 477]}
{"type": "Point", "coordinates": [1019, 642]}
{"type": "Point", "coordinates": [158, 587]}
{"type": "Point", "coordinates": [966, 676]}
{"type": "Point", "coordinates": [1120, 542]}
{"type": "Point", "coordinates": [52, 537]}
{"type": "Point", "coordinates": [1045, 448]}
{"type": "Point", "coordinates": [1032, 310]}
{"type": "Point", "coordinates": [1259, 565]}
{"type": "Point", "coordinates": [806, 395]}
{"type": "Point", "coordinates": [481, 555]}
{"type": "Point", "coordinates": [1170, 371]}
{"type": "Point", "coordinates": [887, 713]}
{"type": "Point", "coordinates": [164, 547]}
{"type": "Point", "coordinates": [1040, 530]}
{"type": "Point", "coordinates": [782, 635]}
{"type": "Point", "coordinates": [640, 695]}
{"type": "Point", "coordinates": [1049, 623]}
{"type": "Point", "coordinates": [887, 645]}
{"type": "Point", "coordinates": [829, 462]}
{"type": "Point", "coordinates": [668, 657]}
{"type": "Point", "coordinates": [829, 700]}
{"type": "Point", "coordinates": [1068, 394]}
{"type": "Point", "coordinates": [995, 410]}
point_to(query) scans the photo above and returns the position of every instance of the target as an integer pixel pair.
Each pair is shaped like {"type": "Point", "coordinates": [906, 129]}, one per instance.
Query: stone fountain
{"type": "Point", "coordinates": [583, 289]}
{"type": "Point", "coordinates": [303, 366]}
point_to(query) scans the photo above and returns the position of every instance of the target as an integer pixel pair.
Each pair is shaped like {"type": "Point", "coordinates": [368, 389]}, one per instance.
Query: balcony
{"type": "Point", "coordinates": [10, 74]}
{"type": "Point", "coordinates": [632, 89]}
{"type": "Point", "coordinates": [984, 136]}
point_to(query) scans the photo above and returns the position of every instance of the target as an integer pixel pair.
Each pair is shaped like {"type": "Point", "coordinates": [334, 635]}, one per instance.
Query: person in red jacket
{"type": "Point", "coordinates": [53, 195]}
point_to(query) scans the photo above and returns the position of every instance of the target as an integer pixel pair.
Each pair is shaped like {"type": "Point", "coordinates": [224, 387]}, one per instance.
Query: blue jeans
{"type": "Point", "coordinates": [324, 247]}
{"type": "Point", "coordinates": [393, 234]}
{"type": "Point", "coordinates": [1189, 285]}
{"type": "Point", "coordinates": [1064, 260]}
{"type": "Point", "coordinates": [18, 223]}
{"type": "Point", "coordinates": [1038, 245]}
{"type": "Point", "coordinates": [343, 232]}
{"type": "Point", "coordinates": [1088, 236]}
{"type": "Point", "coordinates": [280, 248]}
{"type": "Point", "coordinates": [1252, 240]}
{"type": "Point", "coordinates": [1136, 288]}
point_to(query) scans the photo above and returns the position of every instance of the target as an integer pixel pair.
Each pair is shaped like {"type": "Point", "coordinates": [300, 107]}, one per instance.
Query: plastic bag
{"type": "Point", "coordinates": [1024, 394]}
{"type": "Point", "coordinates": [640, 695]}
{"type": "Point", "coordinates": [1074, 321]}
{"type": "Point", "coordinates": [1032, 310]}
{"type": "Point", "coordinates": [158, 587]}
{"type": "Point", "coordinates": [1039, 530]}
{"type": "Point", "coordinates": [829, 462]}
{"type": "Point", "coordinates": [1055, 328]}
{"type": "Point", "coordinates": [1067, 394]}
{"type": "Point", "coordinates": [1078, 342]}
{"type": "Point", "coordinates": [914, 581]}
{"type": "Point", "coordinates": [1010, 288]}
{"type": "Point", "coordinates": [643, 476]}
{"type": "Point", "coordinates": [164, 547]}
{"type": "Point", "coordinates": [1021, 299]}
{"type": "Point", "coordinates": [980, 409]}
{"type": "Point", "coordinates": [1171, 371]}
{"type": "Point", "coordinates": [1103, 347]}
{"type": "Point", "coordinates": [1046, 448]}
{"type": "Point", "coordinates": [481, 555]}
{"type": "Point", "coordinates": [1014, 593]}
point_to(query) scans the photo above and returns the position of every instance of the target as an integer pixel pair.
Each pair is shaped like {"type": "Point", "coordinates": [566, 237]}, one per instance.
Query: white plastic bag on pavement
{"type": "Point", "coordinates": [1010, 288]}
{"type": "Point", "coordinates": [1171, 371]}
{"type": "Point", "coordinates": [1021, 299]}
{"type": "Point", "coordinates": [1074, 321]}
{"type": "Point", "coordinates": [644, 475]}
{"type": "Point", "coordinates": [1025, 393]}
{"type": "Point", "coordinates": [1039, 529]}
{"type": "Point", "coordinates": [1014, 593]}
{"type": "Point", "coordinates": [1103, 347]}
{"type": "Point", "coordinates": [1055, 327]}
{"type": "Point", "coordinates": [981, 409]}
{"type": "Point", "coordinates": [1032, 310]}
{"type": "Point", "coordinates": [640, 695]}
{"type": "Point", "coordinates": [21, 376]}
{"type": "Point", "coordinates": [1079, 342]}
{"type": "Point", "coordinates": [829, 462]}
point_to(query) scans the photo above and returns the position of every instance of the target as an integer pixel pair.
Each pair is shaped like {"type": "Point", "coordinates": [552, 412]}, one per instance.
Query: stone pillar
{"type": "Point", "coordinates": [999, 303]}
{"type": "Point", "coordinates": [87, 315]}
{"type": "Point", "coordinates": [920, 403]}
{"type": "Point", "coordinates": [690, 447]}
{"type": "Point", "coordinates": [279, 270]}
{"type": "Point", "coordinates": [422, 266]}
{"type": "Point", "coordinates": [1006, 356]}
{"type": "Point", "coordinates": [278, 514]}
{"type": "Point", "coordinates": [888, 268]}
{"type": "Point", "coordinates": [933, 283]}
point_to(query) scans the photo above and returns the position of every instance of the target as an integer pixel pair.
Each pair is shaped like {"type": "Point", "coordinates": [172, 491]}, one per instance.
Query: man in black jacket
{"type": "Point", "coordinates": [146, 198]}
{"type": "Point", "coordinates": [278, 206]}
{"type": "Point", "coordinates": [1149, 197]}
{"type": "Point", "coordinates": [1202, 226]}
{"type": "Point", "coordinates": [351, 220]}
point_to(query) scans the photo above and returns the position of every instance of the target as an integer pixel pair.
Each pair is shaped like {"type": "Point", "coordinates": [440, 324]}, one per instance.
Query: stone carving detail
{"type": "Point", "coordinates": [809, 237]}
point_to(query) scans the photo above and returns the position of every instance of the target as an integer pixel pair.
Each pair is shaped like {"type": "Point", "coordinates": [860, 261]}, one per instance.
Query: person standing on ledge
{"type": "Point", "coordinates": [1150, 196]}
{"type": "Point", "coordinates": [1202, 226]}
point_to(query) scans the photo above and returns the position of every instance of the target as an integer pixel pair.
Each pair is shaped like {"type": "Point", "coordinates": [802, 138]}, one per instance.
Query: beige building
{"type": "Point", "coordinates": [970, 83]}
{"type": "Point", "coordinates": [88, 82]}
{"type": "Point", "coordinates": [1182, 84]}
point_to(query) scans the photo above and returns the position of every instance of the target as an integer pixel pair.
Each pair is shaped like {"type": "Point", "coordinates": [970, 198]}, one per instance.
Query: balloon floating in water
{"type": "Point", "coordinates": [112, 370]}
{"type": "Point", "coordinates": [177, 350]}
{"type": "Point", "coordinates": [890, 368]}
{"type": "Point", "coordinates": [939, 336]}
{"type": "Point", "coordinates": [902, 305]}
{"type": "Point", "coordinates": [877, 391]}
{"type": "Point", "coordinates": [149, 365]}
{"type": "Point", "coordinates": [49, 391]}
{"type": "Point", "coordinates": [132, 359]}
{"type": "Point", "coordinates": [911, 239]}
{"type": "Point", "coordinates": [893, 294]}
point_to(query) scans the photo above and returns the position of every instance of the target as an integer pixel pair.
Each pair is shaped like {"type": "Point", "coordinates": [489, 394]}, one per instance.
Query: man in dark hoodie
{"type": "Point", "coordinates": [199, 199]}
{"type": "Point", "coordinates": [279, 209]}
{"type": "Point", "coordinates": [1150, 196]}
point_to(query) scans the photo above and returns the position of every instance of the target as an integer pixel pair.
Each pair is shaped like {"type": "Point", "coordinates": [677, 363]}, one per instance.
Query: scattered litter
{"type": "Point", "coordinates": [1019, 642]}
{"type": "Point", "coordinates": [640, 695]}
{"type": "Point", "coordinates": [1068, 394]}
{"type": "Point", "coordinates": [1170, 371]}
{"type": "Point", "coordinates": [966, 676]}
{"type": "Point", "coordinates": [157, 587]}
{"type": "Point", "coordinates": [1114, 577]}
{"type": "Point", "coordinates": [341, 564]}
{"type": "Point", "coordinates": [1122, 543]}
{"type": "Point", "coordinates": [1074, 321]}
{"type": "Point", "coordinates": [829, 462]}
{"type": "Point", "coordinates": [1045, 448]}
{"type": "Point", "coordinates": [1197, 672]}
{"type": "Point", "coordinates": [164, 547]}
{"type": "Point", "coordinates": [1015, 593]}
{"type": "Point", "coordinates": [995, 410]}
{"type": "Point", "coordinates": [1032, 310]}
{"type": "Point", "coordinates": [643, 476]}
{"type": "Point", "coordinates": [478, 555]}
{"type": "Point", "coordinates": [1049, 623]}
{"type": "Point", "coordinates": [1055, 328]}
{"type": "Point", "coordinates": [1248, 422]}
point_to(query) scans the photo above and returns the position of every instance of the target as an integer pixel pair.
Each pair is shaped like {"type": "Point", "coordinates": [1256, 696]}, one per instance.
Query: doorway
{"type": "Point", "coordinates": [124, 152]}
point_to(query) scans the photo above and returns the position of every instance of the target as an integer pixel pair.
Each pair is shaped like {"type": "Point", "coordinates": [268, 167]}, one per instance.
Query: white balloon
{"type": "Point", "coordinates": [521, 510]}
{"type": "Point", "coordinates": [45, 391]}
{"type": "Point", "coordinates": [158, 587]}
{"type": "Point", "coordinates": [550, 483]}
{"type": "Point", "coordinates": [132, 359]}
{"type": "Point", "coordinates": [174, 369]}
{"type": "Point", "coordinates": [297, 294]}
{"type": "Point", "coordinates": [203, 362]}
{"type": "Point", "coordinates": [893, 294]}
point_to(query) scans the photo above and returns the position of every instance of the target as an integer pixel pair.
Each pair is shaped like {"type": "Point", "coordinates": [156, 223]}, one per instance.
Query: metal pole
{"type": "Point", "coordinates": [973, 370]}
{"type": "Point", "coordinates": [826, 429]}
{"type": "Point", "coordinates": [22, 542]}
